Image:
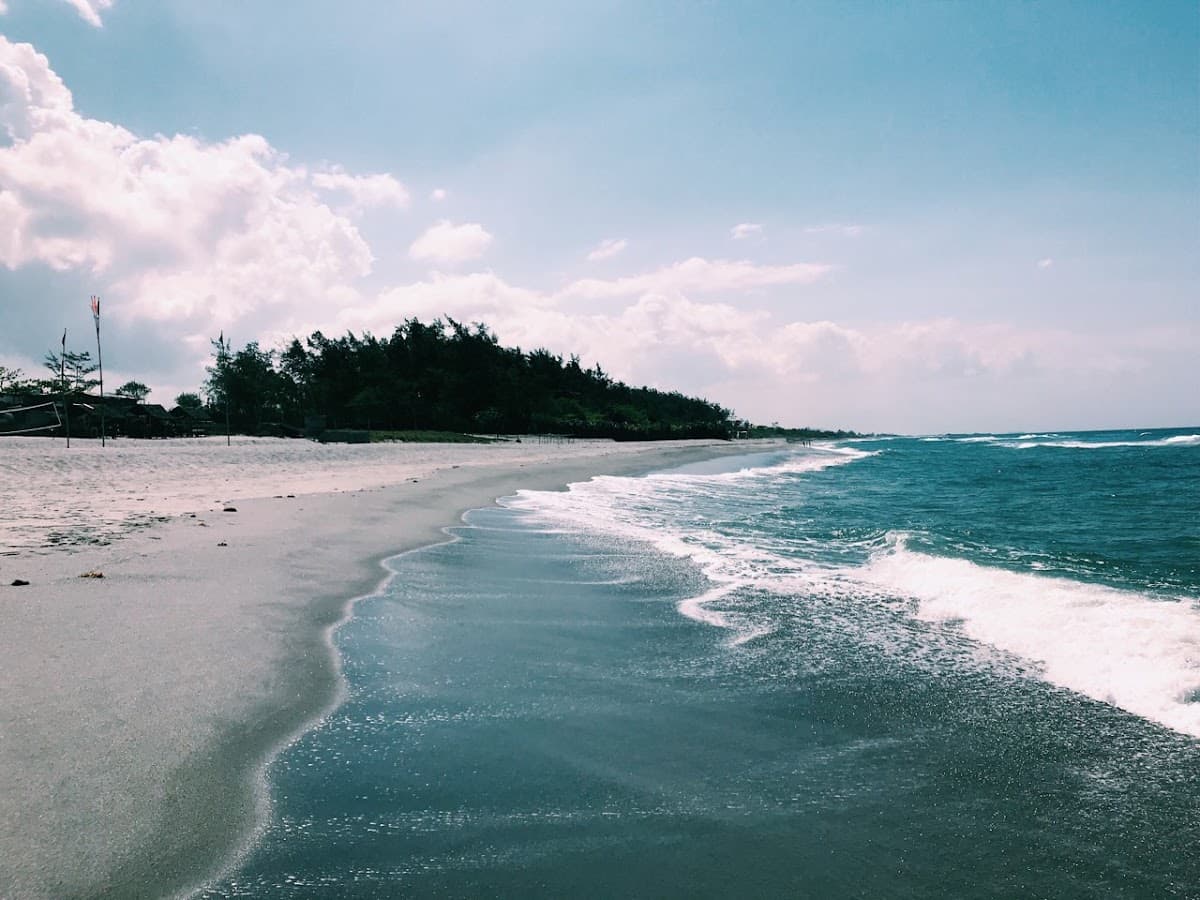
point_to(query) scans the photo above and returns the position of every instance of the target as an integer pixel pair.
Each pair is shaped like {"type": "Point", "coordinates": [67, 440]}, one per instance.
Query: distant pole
{"type": "Point", "coordinates": [100, 363]}
{"type": "Point", "coordinates": [224, 363]}
{"type": "Point", "coordinates": [62, 374]}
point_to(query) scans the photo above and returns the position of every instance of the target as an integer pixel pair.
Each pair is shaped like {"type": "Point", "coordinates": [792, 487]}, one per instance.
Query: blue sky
{"type": "Point", "coordinates": [976, 216]}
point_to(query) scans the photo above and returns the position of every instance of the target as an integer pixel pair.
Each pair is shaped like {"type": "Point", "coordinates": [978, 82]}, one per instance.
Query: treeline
{"type": "Point", "coordinates": [442, 376]}
{"type": "Point", "coordinates": [799, 434]}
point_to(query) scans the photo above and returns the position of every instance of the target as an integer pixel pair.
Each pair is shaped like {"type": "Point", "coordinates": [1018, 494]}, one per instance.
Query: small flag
{"type": "Point", "coordinates": [95, 306]}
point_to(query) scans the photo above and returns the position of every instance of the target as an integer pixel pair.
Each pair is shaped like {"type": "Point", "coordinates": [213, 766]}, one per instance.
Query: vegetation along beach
{"type": "Point", "coordinates": [599, 450]}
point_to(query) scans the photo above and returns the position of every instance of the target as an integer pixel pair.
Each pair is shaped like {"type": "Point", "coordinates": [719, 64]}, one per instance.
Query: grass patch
{"type": "Point", "coordinates": [429, 437]}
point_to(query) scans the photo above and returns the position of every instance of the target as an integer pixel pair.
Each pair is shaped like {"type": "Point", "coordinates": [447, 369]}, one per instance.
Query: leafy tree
{"type": "Point", "coordinates": [10, 378]}
{"type": "Point", "coordinates": [135, 390]}
{"type": "Point", "coordinates": [246, 384]}
{"type": "Point", "coordinates": [216, 385]}
{"type": "Point", "coordinates": [189, 401]}
{"type": "Point", "coordinates": [443, 375]}
{"type": "Point", "coordinates": [71, 370]}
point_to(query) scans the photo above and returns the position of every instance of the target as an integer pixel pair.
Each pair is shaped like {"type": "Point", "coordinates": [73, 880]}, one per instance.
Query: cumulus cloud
{"type": "Point", "coordinates": [745, 230]}
{"type": "Point", "coordinates": [363, 191]}
{"type": "Point", "coordinates": [1045, 263]}
{"type": "Point", "coordinates": [698, 275]}
{"type": "Point", "coordinates": [437, 195]}
{"type": "Point", "coordinates": [448, 243]}
{"type": "Point", "coordinates": [632, 341]}
{"type": "Point", "coordinates": [3, 7]}
{"type": "Point", "coordinates": [89, 10]}
{"type": "Point", "coordinates": [907, 375]}
{"type": "Point", "coordinates": [635, 338]}
{"type": "Point", "coordinates": [607, 249]}
{"type": "Point", "coordinates": [175, 227]}
{"type": "Point", "coordinates": [480, 296]}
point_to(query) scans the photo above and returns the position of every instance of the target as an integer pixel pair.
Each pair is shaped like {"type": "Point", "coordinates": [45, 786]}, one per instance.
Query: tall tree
{"type": "Point", "coordinates": [71, 370]}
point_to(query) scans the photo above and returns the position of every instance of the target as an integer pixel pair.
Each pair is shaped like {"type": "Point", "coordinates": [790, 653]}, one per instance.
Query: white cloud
{"type": "Point", "coordinates": [480, 296]}
{"type": "Point", "coordinates": [1045, 263]}
{"type": "Point", "coordinates": [170, 227]}
{"type": "Point", "coordinates": [446, 242]}
{"type": "Point", "coordinates": [364, 191]}
{"type": "Point", "coordinates": [437, 195]}
{"type": "Point", "coordinates": [89, 10]}
{"type": "Point", "coordinates": [919, 375]}
{"type": "Point", "coordinates": [698, 275]}
{"type": "Point", "coordinates": [3, 7]}
{"type": "Point", "coordinates": [653, 336]}
{"type": "Point", "coordinates": [607, 249]}
{"type": "Point", "coordinates": [745, 230]}
{"type": "Point", "coordinates": [836, 229]}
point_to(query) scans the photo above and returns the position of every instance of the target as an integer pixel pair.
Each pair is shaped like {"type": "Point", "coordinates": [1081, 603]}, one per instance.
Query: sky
{"type": "Point", "coordinates": [910, 217]}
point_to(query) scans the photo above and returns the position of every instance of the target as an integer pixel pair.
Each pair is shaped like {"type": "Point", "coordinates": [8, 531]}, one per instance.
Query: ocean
{"type": "Point", "coordinates": [953, 666]}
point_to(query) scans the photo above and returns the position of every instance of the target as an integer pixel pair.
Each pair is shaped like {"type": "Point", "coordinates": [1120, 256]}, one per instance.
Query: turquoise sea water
{"type": "Point", "coordinates": [959, 666]}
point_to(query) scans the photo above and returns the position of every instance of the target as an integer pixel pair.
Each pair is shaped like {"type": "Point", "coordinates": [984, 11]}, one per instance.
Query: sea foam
{"type": "Point", "coordinates": [1138, 652]}
{"type": "Point", "coordinates": [1179, 440]}
{"type": "Point", "coordinates": [1134, 651]}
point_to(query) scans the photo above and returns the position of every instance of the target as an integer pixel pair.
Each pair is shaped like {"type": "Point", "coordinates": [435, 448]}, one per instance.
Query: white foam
{"type": "Point", "coordinates": [815, 459]}
{"type": "Point", "coordinates": [645, 510]}
{"type": "Point", "coordinates": [1136, 652]}
{"type": "Point", "coordinates": [697, 607]}
{"type": "Point", "coordinates": [1179, 440]}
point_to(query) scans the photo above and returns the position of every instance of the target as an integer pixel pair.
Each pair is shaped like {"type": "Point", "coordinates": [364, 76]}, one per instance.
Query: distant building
{"type": "Point", "coordinates": [46, 415]}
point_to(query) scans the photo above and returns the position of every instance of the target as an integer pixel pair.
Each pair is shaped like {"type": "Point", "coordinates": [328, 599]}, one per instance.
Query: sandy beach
{"type": "Point", "coordinates": [137, 709]}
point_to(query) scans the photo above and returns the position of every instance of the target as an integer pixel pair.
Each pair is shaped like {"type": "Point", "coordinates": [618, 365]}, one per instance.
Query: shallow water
{"type": "Point", "coordinates": [904, 668]}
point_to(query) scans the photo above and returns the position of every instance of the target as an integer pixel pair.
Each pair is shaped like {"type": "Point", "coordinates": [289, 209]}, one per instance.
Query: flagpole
{"type": "Point", "coordinates": [224, 364]}
{"type": "Point", "coordinates": [100, 363]}
{"type": "Point", "coordinates": [62, 373]}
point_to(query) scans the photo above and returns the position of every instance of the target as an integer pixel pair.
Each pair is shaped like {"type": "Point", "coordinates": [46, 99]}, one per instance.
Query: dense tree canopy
{"type": "Point", "coordinates": [444, 376]}
{"type": "Point", "coordinates": [134, 390]}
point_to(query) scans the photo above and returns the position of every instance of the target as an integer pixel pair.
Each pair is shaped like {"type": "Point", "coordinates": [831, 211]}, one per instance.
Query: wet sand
{"type": "Point", "coordinates": [137, 709]}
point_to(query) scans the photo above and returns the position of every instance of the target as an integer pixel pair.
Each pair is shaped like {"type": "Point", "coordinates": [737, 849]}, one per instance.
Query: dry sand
{"type": "Point", "coordinates": [137, 710]}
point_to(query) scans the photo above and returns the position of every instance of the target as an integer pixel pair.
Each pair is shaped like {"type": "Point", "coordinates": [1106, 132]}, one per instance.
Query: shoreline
{"type": "Point", "coordinates": [147, 704]}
